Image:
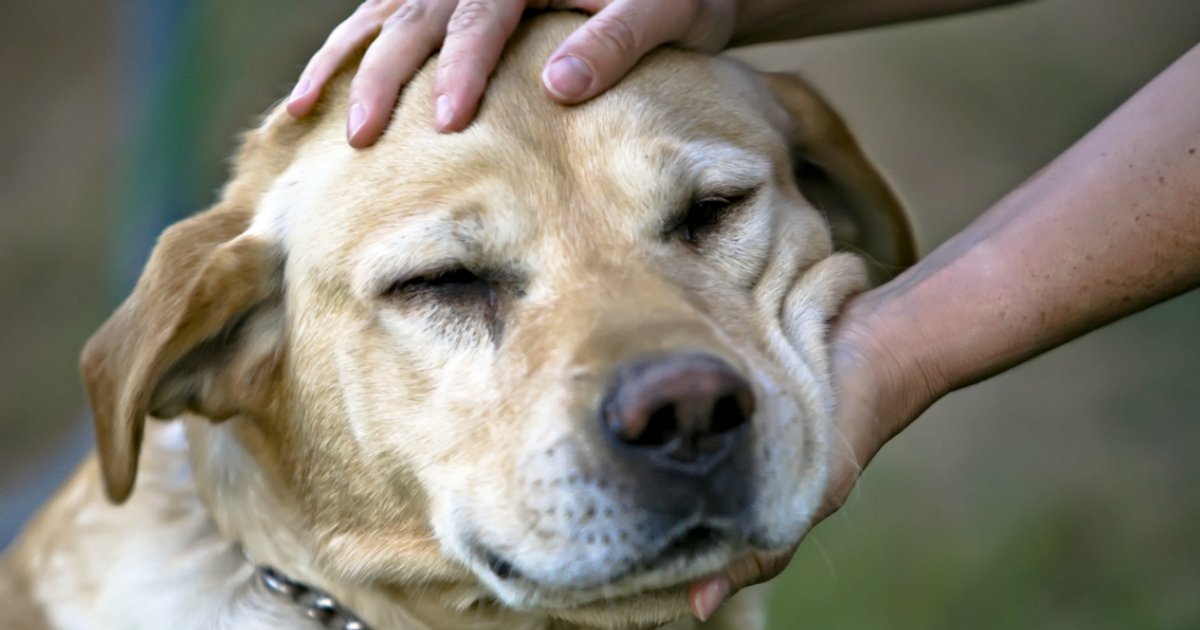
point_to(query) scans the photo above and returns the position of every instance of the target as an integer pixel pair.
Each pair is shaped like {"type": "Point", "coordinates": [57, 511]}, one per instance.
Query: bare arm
{"type": "Point", "coordinates": [762, 21]}
{"type": "Point", "coordinates": [1109, 228]}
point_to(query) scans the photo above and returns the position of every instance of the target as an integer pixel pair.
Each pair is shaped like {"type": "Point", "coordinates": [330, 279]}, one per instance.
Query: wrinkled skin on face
{"type": "Point", "coordinates": [411, 345]}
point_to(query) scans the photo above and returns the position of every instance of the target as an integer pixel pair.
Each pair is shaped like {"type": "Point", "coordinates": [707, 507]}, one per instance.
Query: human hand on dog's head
{"type": "Point", "coordinates": [471, 36]}
{"type": "Point", "coordinates": [398, 36]}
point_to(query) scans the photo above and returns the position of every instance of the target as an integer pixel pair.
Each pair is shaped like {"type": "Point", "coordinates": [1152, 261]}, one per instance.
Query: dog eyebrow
{"type": "Point", "coordinates": [416, 245]}
{"type": "Point", "coordinates": [715, 166]}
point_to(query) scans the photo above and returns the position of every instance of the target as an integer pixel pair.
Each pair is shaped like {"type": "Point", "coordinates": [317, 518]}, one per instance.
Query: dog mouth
{"type": "Point", "coordinates": [677, 552]}
{"type": "Point", "coordinates": [681, 549]}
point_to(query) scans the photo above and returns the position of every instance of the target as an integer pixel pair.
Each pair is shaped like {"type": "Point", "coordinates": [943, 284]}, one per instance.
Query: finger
{"type": "Point", "coordinates": [407, 38]}
{"type": "Point", "coordinates": [603, 50]}
{"type": "Point", "coordinates": [706, 596]}
{"type": "Point", "coordinates": [475, 37]}
{"type": "Point", "coordinates": [345, 39]}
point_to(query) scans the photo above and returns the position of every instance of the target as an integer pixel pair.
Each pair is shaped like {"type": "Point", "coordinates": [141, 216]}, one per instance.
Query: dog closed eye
{"type": "Point", "coordinates": [705, 215]}
{"type": "Point", "coordinates": [455, 284]}
{"type": "Point", "coordinates": [455, 292]}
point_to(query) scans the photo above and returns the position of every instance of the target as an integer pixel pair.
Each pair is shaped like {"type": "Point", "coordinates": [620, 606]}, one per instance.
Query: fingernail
{"type": "Point", "coordinates": [710, 598]}
{"type": "Point", "coordinates": [358, 115]}
{"type": "Point", "coordinates": [443, 111]}
{"type": "Point", "coordinates": [568, 77]}
{"type": "Point", "coordinates": [300, 90]}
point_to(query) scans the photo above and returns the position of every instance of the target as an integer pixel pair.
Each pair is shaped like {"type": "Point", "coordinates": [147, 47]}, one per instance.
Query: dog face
{"type": "Point", "coordinates": [575, 356]}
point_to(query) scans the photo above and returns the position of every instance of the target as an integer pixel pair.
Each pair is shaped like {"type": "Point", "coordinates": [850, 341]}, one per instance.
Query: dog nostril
{"type": "Point", "coordinates": [661, 427]}
{"type": "Point", "coordinates": [730, 412]}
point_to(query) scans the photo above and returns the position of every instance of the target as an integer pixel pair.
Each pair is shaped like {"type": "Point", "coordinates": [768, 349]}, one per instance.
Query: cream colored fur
{"type": "Point", "coordinates": [362, 438]}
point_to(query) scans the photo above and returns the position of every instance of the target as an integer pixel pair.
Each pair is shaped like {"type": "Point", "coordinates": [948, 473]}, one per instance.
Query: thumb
{"type": "Point", "coordinates": [603, 50]}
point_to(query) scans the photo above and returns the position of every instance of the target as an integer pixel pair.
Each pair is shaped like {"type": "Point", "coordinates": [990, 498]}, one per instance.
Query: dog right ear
{"type": "Point", "coordinates": [186, 338]}
{"type": "Point", "coordinates": [203, 330]}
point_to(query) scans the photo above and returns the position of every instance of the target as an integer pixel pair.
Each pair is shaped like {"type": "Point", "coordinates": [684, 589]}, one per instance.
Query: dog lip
{"type": "Point", "coordinates": [689, 541]}
{"type": "Point", "coordinates": [499, 566]}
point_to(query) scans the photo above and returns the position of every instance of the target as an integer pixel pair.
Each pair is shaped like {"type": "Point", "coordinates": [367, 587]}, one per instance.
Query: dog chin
{"type": "Point", "coordinates": [662, 577]}
{"type": "Point", "coordinates": [521, 593]}
{"type": "Point", "coordinates": [692, 553]}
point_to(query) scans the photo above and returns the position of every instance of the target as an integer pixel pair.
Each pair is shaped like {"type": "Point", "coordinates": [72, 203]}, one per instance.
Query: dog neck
{"type": "Point", "coordinates": [261, 525]}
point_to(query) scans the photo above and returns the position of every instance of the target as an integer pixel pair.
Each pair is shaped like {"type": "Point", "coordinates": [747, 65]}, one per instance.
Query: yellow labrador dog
{"type": "Point", "coordinates": [538, 374]}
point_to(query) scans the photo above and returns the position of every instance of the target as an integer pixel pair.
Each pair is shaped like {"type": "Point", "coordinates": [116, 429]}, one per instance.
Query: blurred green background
{"type": "Point", "coordinates": [1063, 494]}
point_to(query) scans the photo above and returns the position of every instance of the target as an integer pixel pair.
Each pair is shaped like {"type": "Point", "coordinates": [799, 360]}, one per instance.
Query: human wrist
{"type": "Point", "coordinates": [880, 361]}
{"type": "Point", "coordinates": [958, 316]}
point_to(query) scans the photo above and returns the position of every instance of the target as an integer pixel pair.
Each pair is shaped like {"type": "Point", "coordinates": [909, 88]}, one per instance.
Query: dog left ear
{"type": "Point", "coordinates": [834, 174]}
{"type": "Point", "coordinates": [201, 332]}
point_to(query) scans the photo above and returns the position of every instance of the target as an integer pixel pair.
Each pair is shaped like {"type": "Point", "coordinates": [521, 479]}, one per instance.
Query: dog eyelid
{"type": "Point", "coordinates": [448, 283]}
{"type": "Point", "coordinates": [705, 213]}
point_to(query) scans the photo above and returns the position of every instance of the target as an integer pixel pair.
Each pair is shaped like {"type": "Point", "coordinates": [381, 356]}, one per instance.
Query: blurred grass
{"type": "Point", "coordinates": [1064, 494]}
{"type": "Point", "coordinates": [1037, 570]}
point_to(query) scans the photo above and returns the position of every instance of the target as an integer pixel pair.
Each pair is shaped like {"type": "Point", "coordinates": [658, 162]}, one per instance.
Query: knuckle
{"type": "Point", "coordinates": [756, 569]}
{"type": "Point", "coordinates": [472, 14]}
{"type": "Point", "coordinates": [323, 62]}
{"type": "Point", "coordinates": [761, 568]}
{"type": "Point", "coordinates": [365, 80]}
{"type": "Point", "coordinates": [409, 12]}
{"type": "Point", "coordinates": [462, 71]}
{"type": "Point", "coordinates": [455, 68]}
{"type": "Point", "coordinates": [319, 60]}
{"type": "Point", "coordinates": [349, 33]}
{"type": "Point", "coordinates": [616, 34]}
{"type": "Point", "coordinates": [777, 566]}
{"type": "Point", "coordinates": [741, 573]}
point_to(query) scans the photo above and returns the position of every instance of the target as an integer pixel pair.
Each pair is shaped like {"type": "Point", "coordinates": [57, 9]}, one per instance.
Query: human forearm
{"type": "Point", "coordinates": [761, 21]}
{"type": "Point", "coordinates": [1110, 227]}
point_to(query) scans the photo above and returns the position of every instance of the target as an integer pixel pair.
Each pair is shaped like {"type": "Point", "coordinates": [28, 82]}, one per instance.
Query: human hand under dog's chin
{"type": "Point", "coordinates": [471, 35]}
{"type": "Point", "coordinates": [879, 391]}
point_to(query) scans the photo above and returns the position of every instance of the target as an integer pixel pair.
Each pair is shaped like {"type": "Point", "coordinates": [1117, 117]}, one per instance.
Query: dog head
{"type": "Point", "coordinates": [572, 357]}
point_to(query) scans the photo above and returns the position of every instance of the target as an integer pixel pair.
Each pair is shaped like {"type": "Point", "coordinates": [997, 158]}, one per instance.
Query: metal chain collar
{"type": "Point", "coordinates": [317, 604]}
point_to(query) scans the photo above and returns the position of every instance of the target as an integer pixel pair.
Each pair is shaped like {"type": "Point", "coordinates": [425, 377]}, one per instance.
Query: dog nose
{"type": "Point", "coordinates": [682, 412]}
